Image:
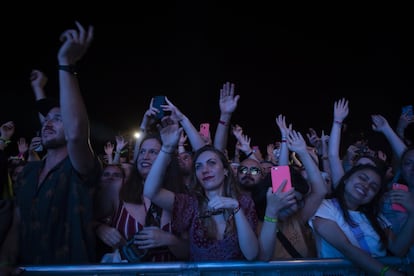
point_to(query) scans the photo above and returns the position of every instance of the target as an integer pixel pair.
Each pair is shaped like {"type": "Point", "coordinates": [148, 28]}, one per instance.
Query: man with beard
{"type": "Point", "coordinates": [54, 214]}
{"type": "Point", "coordinates": [254, 181]}
{"type": "Point", "coordinates": [249, 174]}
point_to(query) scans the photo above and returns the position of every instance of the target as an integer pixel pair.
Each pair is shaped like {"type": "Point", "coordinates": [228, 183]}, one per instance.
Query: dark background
{"type": "Point", "coordinates": [290, 62]}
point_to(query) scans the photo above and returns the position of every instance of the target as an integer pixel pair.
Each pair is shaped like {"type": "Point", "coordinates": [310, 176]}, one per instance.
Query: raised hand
{"type": "Point", "coordinates": [296, 142]}
{"type": "Point", "coordinates": [228, 102]}
{"type": "Point", "coordinates": [75, 44]}
{"type": "Point", "coordinates": [281, 123]}
{"type": "Point", "coordinates": [341, 110]}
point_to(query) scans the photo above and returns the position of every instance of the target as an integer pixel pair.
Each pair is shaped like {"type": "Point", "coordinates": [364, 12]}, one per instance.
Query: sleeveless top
{"type": "Point", "coordinates": [127, 225]}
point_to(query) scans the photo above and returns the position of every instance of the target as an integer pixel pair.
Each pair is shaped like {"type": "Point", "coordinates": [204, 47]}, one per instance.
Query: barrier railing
{"type": "Point", "coordinates": [297, 267]}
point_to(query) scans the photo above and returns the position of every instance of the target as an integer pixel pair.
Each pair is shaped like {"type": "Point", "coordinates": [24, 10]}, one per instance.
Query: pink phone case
{"type": "Point", "coordinates": [396, 206]}
{"type": "Point", "coordinates": [205, 129]}
{"type": "Point", "coordinates": [279, 174]}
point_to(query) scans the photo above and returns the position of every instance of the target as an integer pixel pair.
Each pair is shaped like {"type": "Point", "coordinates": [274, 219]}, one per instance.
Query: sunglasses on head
{"type": "Point", "coordinates": [252, 170]}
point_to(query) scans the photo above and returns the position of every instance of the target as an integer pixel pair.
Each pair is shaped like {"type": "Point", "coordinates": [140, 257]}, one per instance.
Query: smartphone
{"type": "Point", "coordinates": [408, 109]}
{"type": "Point", "coordinates": [39, 148]}
{"type": "Point", "coordinates": [205, 130]}
{"type": "Point", "coordinates": [396, 206]}
{"type": "Point", "coordinates": [279, 174]}
{"type": "Point", "coordinates": [158, 101]}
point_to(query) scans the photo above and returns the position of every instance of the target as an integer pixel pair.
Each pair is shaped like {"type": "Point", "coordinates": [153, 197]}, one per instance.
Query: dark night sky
{"type": "Point", "coordinates": [296, 66]}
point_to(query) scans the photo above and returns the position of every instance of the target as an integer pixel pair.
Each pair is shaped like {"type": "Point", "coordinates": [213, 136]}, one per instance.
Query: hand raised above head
{"type": "Point", "coordinates": [75, 43]}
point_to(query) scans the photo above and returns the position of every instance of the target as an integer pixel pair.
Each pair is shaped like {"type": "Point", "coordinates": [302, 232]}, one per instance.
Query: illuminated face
{"type": "Point", "coordinates": [361, 187]}
{"type": "Point", "coordinates": [53, 135]}
{"type": "Point", "coordinates": [147, 154]}
{"type": "Point", "coordinates": [249, 173]}
{"type": "Point", "coordinates": [210, 171]}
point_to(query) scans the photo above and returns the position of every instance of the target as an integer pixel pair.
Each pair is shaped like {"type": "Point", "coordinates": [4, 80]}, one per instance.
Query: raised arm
{"type": "Point", "coordinates": [380, 124]}
{"type": "Point", "coordinates": [319, 189]}
{"type": "Point", "coordinates": [228, 104]}
{"type": "Point", "coordinates": [121, 144]}
{"type": "Point", "coordinates": [192, 133]}
{"type": "Point", "coordinates": [341, 111]}
{"type": "Point", "coordinates": [284, 132]}
{"type": "Point", "coordinates": [73, 110]}
{"type": "Point", "coordinates": [170, 135]}
{"type": "Point", "coordinates": [38, 81]}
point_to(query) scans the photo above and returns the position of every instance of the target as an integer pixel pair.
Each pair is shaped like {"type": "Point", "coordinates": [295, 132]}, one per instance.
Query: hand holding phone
{"type": "Point", "coordinates": [205, 130]}
{"type": "Point", "coordinates": [279, 174]}
{"type": "Point", "coordinates": [158, 101]}
{"type": "Point", "coordinates": [397, 206]}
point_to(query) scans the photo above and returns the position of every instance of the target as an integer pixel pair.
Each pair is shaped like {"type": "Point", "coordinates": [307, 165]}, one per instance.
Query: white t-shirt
{"type": "Point", "coordinates": [328, 210]}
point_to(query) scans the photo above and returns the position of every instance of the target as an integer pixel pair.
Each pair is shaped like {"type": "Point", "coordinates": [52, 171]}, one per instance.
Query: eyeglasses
{"type": "Point", "coordinates": [252, 170]}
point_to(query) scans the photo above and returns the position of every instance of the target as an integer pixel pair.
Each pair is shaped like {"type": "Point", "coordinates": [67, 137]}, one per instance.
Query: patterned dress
{"type": "Point", "coordinates": [127, 225]}
{"type": "Point", "coordinates": [202, 248]}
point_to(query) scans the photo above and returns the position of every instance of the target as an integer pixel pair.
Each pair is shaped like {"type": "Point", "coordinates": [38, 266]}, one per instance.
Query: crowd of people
{"type": "Point", "coordinates": [180, 195]}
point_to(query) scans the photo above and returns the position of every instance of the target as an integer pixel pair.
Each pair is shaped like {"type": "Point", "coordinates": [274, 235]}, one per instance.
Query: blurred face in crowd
{"type": "Point", "coordinates": [407, 168]}
{"type": "Point", "coordinates": [185, 162]}
{"type": "Point", "coordinates": [147, 154]}
{"type": "Point", "coordinates": [112, 175]}
{"type": "Point", "coordinates": [266, 166]}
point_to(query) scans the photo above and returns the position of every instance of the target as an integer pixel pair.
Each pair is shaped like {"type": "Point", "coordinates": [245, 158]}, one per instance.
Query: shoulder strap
{"type": "Point", "coordinates": [287, 245]}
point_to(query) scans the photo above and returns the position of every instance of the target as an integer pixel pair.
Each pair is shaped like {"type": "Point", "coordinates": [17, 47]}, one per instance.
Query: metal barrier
{"type": "Point", "coordinates": [297, 267]}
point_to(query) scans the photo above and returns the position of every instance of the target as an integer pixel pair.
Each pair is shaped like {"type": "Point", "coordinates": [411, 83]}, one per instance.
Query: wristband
{"type": "Point", "coordinates": [235, 210]}
{"type": "Point", "coordinates": [250, 154]}
{"type": "Point", "coordinates": [167, 152]}
{"type": "Point", "coordinates": [338, 122]}
{"type": "Point", "coordinates": [384, 270]}
{"type": "Point", "coordinates": [269, 219]}
{"type": "Point", "coordinates": [223, 123]}
{"type": "Point", "coordinates": [69, 68]}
